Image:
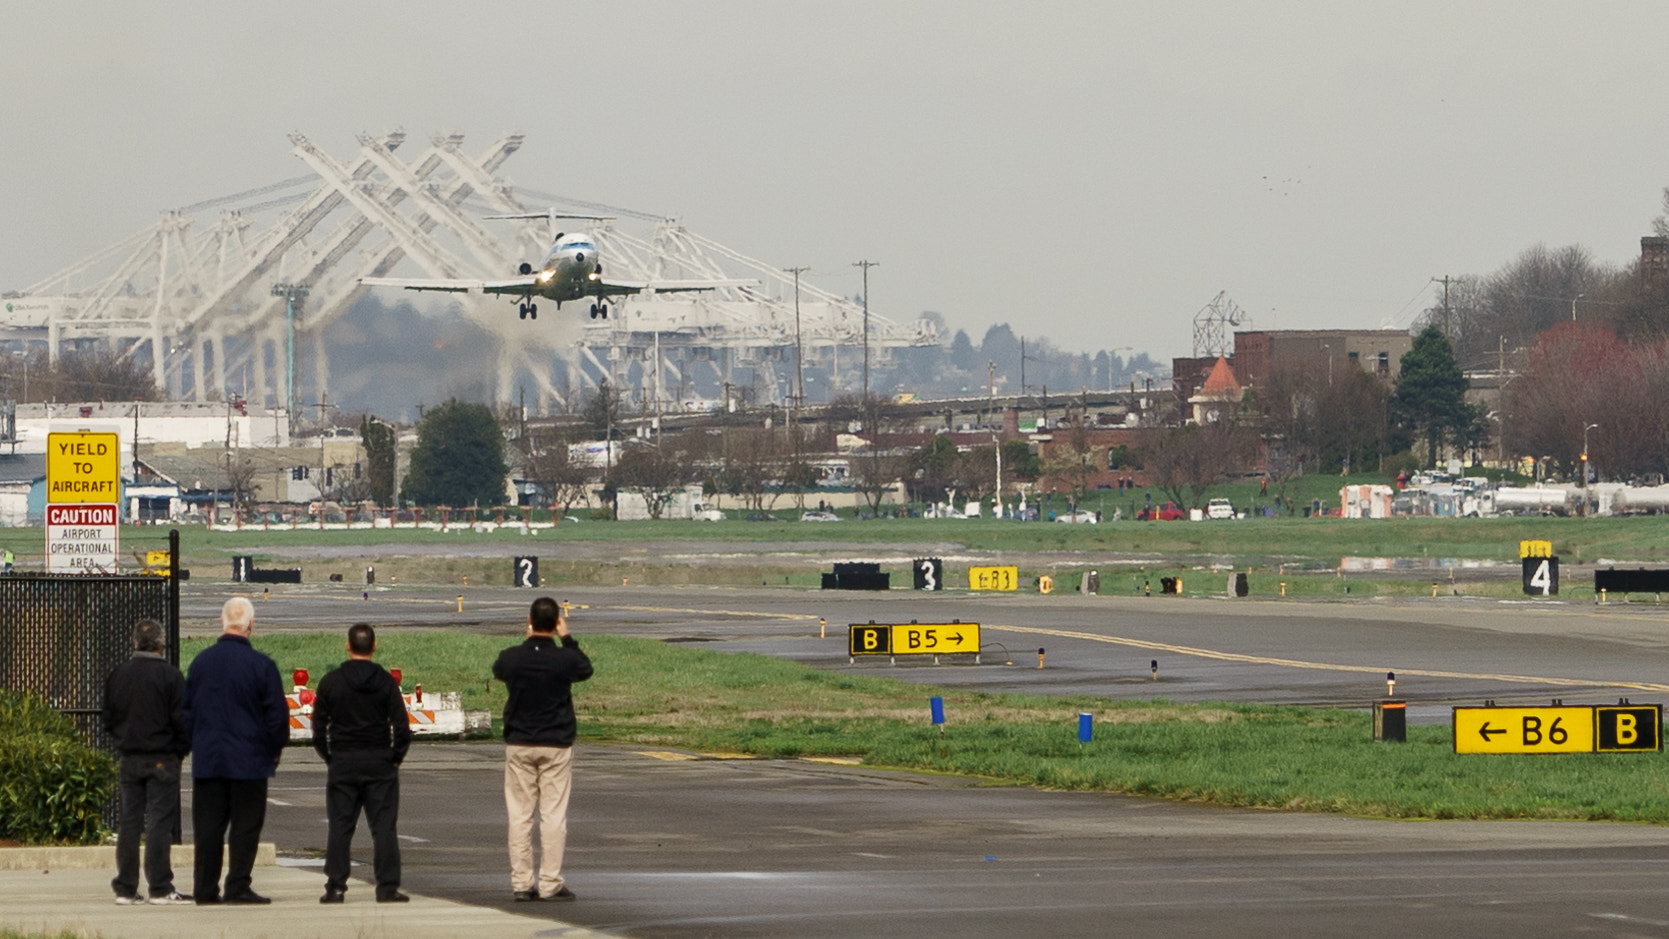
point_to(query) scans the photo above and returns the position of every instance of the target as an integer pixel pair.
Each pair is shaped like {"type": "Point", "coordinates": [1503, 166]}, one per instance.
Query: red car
{"type": "Point", "coordinates": [1167, 512]}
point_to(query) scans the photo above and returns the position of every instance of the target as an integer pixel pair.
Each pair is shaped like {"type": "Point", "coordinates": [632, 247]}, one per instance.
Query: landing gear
{"type": "Point", "coordinates": [599, 310]}
{"type": "Point", "coordinates": [528, 311]}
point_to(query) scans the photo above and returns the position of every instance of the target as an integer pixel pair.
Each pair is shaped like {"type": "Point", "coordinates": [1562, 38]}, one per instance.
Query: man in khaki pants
{"type": "Point", "coordinates": [538, 747]}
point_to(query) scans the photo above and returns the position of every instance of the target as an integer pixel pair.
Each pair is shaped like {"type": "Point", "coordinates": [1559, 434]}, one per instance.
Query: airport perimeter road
{"type": "Point", "coordinates": [663, 845]}
{"type": "Point", "coordinates": [1443, 651]}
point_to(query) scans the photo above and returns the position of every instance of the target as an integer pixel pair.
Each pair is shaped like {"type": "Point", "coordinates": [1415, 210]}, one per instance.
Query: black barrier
{"type": "Point", "coordinates": [1167, 585]}
{"type": "Point", "coordinates": [1390, 721]}
{"type": "Point", "coordinates": [857, 575]}
{"type": "Point", "coordinates": [244, 571]}
{"type": "Point", "coordinates": [1639, 580]}
{"type": "Point", "coordinates": [525, 573]}
{"type": "Point", "coordinates": [1241, 587]}
{"type": "Point", "coordinates": [929, 573]}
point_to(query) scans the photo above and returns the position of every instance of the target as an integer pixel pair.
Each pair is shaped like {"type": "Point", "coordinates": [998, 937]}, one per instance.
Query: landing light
{"type": "Point", "coordinates": [544, 277]}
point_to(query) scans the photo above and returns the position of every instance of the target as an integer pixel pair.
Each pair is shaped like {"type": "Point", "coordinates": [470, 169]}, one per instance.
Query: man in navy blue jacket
{"type": "Point", "coordinates": [539, 730]}
{"type": "Point", "coordinates": [238, 721]}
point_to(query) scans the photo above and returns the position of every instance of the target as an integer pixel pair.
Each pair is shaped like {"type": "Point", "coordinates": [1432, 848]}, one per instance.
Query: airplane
{"type": "Point", "coordinates": [572, 270]}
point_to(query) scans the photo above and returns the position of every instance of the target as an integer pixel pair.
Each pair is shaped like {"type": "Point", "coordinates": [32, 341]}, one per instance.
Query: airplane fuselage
{"type": "Point", "coordinates": [571, 270]}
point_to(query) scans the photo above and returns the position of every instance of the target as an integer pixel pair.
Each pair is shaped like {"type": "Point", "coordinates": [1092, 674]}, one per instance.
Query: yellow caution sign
{"type": "Point", "coordinates": [993, 578]}
{"type": "Point", "coordinates": [1524, 730]}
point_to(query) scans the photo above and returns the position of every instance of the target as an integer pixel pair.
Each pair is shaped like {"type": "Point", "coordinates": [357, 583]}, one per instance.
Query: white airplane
{"type": "Point", "coordinates": [572, 270]}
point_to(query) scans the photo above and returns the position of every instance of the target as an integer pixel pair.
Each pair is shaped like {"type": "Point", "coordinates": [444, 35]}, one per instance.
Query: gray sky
{"type": "Point", "coordinates": [1092, 172]}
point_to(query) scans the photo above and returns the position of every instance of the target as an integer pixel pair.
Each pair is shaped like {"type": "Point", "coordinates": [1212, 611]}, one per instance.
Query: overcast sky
{"type": "Point", "coordinates": [1091, 172]}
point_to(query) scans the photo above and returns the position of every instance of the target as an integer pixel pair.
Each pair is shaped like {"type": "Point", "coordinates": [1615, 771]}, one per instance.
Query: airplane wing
{"type": "Point", "coordinates": [517, 285]}
{"type": "Point", "coordinates": [615, 288]}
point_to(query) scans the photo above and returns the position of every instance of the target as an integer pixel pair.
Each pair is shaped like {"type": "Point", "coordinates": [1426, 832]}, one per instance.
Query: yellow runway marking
{"type": "Point", "coordinates": [667, 609]}
{"type": "Point", "coordinates": [1320, 666]}
{"type": "Point", "coordinates": [667, 755]}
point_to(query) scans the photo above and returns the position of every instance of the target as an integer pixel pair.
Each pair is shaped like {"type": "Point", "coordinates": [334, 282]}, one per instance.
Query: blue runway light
{"type": "Point", "coordinates": [938, 706]}
{"type": "Point", "coordinates": [1085, 722]}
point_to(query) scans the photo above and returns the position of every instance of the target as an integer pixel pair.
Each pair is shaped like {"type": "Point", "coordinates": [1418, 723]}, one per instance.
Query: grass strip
{"type": "Point", "coordinates": [654, 694]}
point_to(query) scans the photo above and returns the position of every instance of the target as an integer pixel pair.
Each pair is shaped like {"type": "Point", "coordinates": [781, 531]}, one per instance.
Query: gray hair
{"type": "Point", "coordinates": [238, 615]}
{"type": "Point", "coordinates": [147, 635]}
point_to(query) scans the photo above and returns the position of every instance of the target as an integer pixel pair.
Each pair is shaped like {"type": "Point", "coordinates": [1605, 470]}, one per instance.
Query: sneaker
{"type": "Point", "coordinates": [128, 899]}
{"type": "Point", "coordinates": [395, 897]}
{"type": "Point", "coordinates": [562, 895]}
{"type": "Point", "coordinates": [523, 896]}
{"type": "Point", "coordinates": [171, 897]}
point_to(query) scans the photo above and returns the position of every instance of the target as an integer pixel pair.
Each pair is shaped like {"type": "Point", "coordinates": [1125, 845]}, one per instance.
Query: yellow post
{"type": "Point", "coordinates": [1283, 588]}
{"type": "Point", "coordinates": [460, 603]}
{"type": "Point", "coordinates": [264, 591]}
{"type": "Point", "coordinates": [466, 580]}
{"type": "Point", "coordinates": [1179, 586]}
{"type": "Point", "coordinates": [822, 628]}
{"type": "Point", "coordinates": [1434, 590]}
{"type": "Point", "coordinates": [1602, 594]}
{"type": "Point", "coordinates": [1039, 658]}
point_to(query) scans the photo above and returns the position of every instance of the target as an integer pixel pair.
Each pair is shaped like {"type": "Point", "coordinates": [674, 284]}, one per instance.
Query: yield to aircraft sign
{"type": "Point", "coordinates": [83, 467]}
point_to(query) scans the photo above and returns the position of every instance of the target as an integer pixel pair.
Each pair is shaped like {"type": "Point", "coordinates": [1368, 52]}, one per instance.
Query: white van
{"type": "Point", "coordinates": [1219, 508]}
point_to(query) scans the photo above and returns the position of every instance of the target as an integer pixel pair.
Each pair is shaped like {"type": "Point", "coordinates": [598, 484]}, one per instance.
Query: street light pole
{"type": "Point", "coordinates": [291, 293]}
{"type": "Point", "coordinates": [799, 350]}
{"type": "Point", "coordinates": [1585, 453]}
{"type": "Point", "coordinates": [1573, 307]}
{"type": "Point", "coordinates": [866, 265]}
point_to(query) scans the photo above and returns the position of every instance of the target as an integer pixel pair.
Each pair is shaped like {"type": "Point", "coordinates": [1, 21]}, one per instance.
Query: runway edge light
{"type": "Point", "coordinates": [936, 706]}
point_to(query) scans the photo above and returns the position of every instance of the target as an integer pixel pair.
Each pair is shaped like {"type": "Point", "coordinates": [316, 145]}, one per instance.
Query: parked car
{"type": "Point", "coordinates": [1078, 516]}
{"type": "Point", "coordinates": [707, 512]}
{"type": "Point", "coordinates": [1219, 508]}
{"type": "Point", "coordinates": [815, 516]}
{"type": "Point", "coordinates": [761, 517]}
{"type": "Point", "coordinates": [1166, 512]}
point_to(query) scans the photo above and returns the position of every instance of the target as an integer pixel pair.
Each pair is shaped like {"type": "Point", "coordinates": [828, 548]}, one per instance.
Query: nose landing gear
{"type": "Point", "coordinates": [599, 310]}
{"type": "Point", "coordinates": [528, 311]}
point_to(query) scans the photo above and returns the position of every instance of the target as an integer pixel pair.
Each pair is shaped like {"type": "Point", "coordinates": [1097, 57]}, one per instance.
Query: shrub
{"type": "Point", "coordinates": [53, 787]}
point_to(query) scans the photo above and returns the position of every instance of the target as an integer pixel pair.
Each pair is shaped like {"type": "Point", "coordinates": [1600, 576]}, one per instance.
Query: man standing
{"type": "Point", "coordinates": [361, 731]}
{"type": "Point", "coordinates": [538, 747]}
{"type": "Point", "coordinates": [143, 698]}
{"type": "Point", "coordinates": [238, 721]}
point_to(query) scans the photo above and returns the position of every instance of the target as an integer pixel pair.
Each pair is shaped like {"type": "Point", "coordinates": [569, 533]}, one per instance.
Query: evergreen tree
{"type": "Point", "coordinates": [1431, 393]}
{"type": "Point", "coordinates": [459, 458]}
{"type": "Point", "coordinates": [962, 352]}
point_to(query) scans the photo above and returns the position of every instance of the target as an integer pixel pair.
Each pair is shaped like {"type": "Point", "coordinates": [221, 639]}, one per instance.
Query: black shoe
{"type": "Point", "coordinates": [522, 896]}
{"type": "Point", "coordinates": [562, 895]}
{"type": "Point", "coordinates": [202, 900]}
{"type": "Point", "coordinates": [395, 897]}
{"type": "Point", "coordinates": [249, 897]}
{"type": "Point", "coordinates": [332, 895]}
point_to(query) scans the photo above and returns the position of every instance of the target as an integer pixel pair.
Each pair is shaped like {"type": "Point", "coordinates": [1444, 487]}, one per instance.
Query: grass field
{"type": "Point", "coordinates": [649, 693]}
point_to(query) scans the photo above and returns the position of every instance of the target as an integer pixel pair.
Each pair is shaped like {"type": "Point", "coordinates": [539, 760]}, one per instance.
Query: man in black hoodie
{"type": "Point", "coordinates": [143, 698]}
{"type": "Point", "coordinates": [361, 730]}
{"type": "Point", "coordinates": [539, 731]}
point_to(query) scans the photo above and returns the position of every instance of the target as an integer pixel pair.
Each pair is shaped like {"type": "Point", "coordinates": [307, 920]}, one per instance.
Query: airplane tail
{"type": "Point", "coordinates": [552, 215]}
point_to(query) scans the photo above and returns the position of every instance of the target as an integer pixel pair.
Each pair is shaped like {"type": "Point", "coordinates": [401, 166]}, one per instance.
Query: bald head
{"type": "Point", "coordinates": [237, 617]}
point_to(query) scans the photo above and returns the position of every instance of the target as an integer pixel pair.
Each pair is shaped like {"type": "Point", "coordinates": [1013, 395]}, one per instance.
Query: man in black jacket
{"type": "Point", "coordinates": [539, 733]}
{"type": "Point", "coordinates": [143, 698]}
{"type": "Point", "coordinates": [361, 730]}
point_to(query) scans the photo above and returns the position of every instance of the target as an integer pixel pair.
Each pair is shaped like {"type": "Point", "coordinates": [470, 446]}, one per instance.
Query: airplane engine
{"type": "Point", "coordinates": [526, 268]}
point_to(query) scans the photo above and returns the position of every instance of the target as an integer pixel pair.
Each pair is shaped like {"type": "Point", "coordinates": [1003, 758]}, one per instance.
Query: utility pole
{"type": "Point", "coordinates": [291, 293]}
{"type": "Point", "coordinates": [799, 350]}
{"type": "Point", "coordinates": [1445, 280]}
{"type": "Point", "coordinates": [866, 265]}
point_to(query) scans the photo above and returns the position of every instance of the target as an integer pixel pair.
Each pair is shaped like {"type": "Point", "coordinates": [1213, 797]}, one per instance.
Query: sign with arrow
{"type": "Point", "coordinates": [913, 638]}
{"type": "Point", "coordinates": [1524, 730]}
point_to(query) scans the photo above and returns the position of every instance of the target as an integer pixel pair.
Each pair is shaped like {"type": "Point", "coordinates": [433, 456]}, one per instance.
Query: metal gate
{"type": "Point", "coordinates": [62, 634]}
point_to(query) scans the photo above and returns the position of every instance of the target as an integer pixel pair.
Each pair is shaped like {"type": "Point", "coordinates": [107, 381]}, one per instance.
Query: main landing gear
{"type": "Point", "coordinates": [599, 310]}
{"type": "Point", "coordinates": [529, 311]}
